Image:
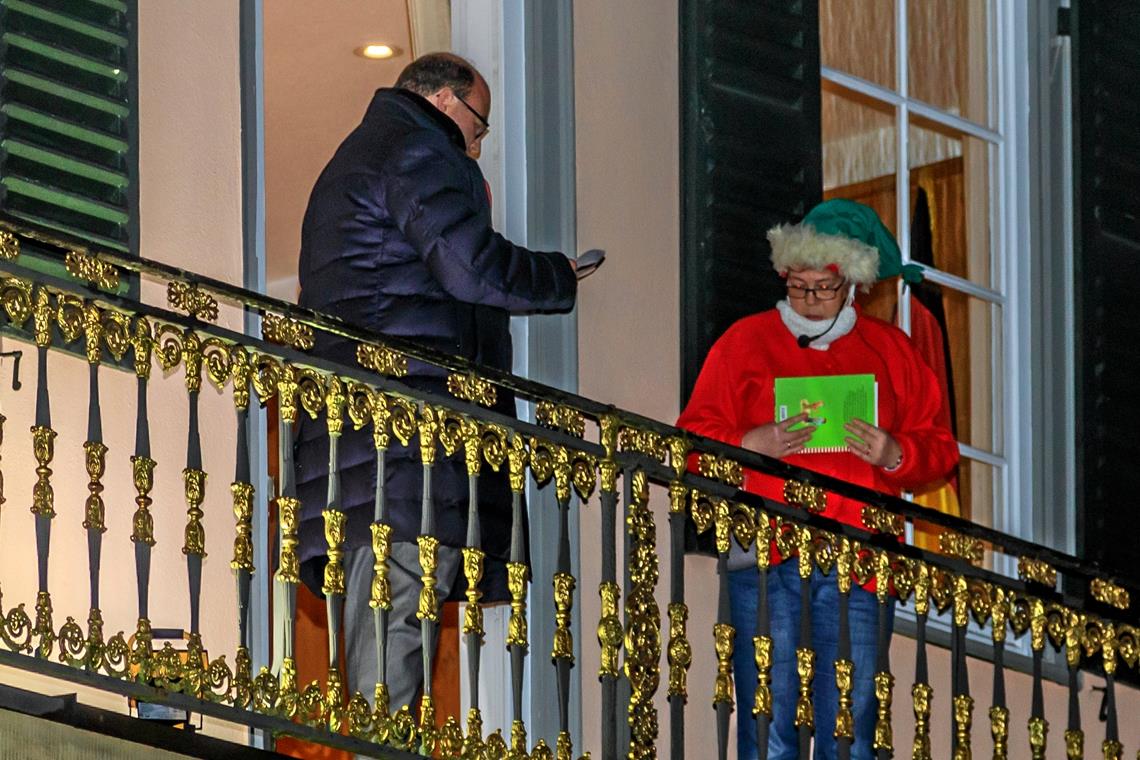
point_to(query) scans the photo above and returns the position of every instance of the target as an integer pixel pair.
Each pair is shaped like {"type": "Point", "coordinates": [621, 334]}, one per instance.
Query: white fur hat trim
{"type": "Point", "coordinates": [799, 246]}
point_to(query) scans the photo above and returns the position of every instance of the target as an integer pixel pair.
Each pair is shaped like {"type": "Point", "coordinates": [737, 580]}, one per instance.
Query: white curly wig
{"type": "Point", "coordinates": [799, 246]}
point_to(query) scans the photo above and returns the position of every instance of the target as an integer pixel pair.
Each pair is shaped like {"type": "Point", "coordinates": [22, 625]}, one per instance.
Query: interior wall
{"type": "Point", "coordinates": [627, 125]}
{"type": "Point", "coordinates": [190, 212]}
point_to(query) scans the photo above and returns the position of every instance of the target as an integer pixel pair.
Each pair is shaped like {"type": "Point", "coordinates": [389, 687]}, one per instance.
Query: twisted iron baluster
{"type": "Point", "coordinates": [884, 680]}
{"type": "Point", "coordinates": [288, 567]}
{"type": "Point", "coordinates": [921, 692]}
{"type": "Point", "coordinates": [643, 631]}
{"type": "Point", "coordinates": [473, 557]}
{"type": "Point", "coordinates": [428, 611]}
{"type": "Point", "coordinates": [142, 522]}
{"type": "Point", "coordinates": [517, 573]}
{"type": "Point", "coordinates": [43, 496]}
{"type": "Point", "coordinates": [844, 732]}
{"type": "Point", "coordinates": [1038, 726]}
{"type": "Point", "coordinates": [334, 581]}
{"type": "Point", "coordinates": [999, 712]}
{"type": "Point", "coordinates": [243, 493]}
{"type": "Point", "coordinates": [609, 624]}
{"type": "Point", "coordinates": [680, 651]}
{"type": "Point", "coordinates": [724, 633]}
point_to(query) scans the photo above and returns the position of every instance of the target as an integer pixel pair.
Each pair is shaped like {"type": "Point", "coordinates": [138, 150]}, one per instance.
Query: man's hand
{"type": "Point", "coordinates": [573, 263]}
{"type": "Point", "coordinates": [873, 444]}
{"type": "Point", "coordinates": [776, 440]}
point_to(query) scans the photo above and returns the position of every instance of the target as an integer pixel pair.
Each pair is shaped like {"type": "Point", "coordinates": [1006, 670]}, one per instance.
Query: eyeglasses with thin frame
{"type": "Point", "coordinates": [821, 292]}
{"type": "Point", "coordinates": [486, 125]}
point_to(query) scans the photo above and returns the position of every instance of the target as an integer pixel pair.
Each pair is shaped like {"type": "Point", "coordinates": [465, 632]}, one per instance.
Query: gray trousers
{"type": "Point", "coordinates": [405, 654]}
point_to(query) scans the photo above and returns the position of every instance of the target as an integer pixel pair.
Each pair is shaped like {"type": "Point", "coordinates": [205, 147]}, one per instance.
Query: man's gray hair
{"type": "Point", "coordinates": [430, 73]}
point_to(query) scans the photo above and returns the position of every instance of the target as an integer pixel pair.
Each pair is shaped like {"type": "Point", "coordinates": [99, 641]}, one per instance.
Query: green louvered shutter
{"type": "Point", "coordinates": [68, 148]}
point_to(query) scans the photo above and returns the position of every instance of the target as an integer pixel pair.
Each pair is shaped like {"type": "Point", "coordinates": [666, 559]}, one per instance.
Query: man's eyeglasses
{"type": "Point", "coordinates": [821, 292]}
{"type": "Point", "coordinates": [485, 125]}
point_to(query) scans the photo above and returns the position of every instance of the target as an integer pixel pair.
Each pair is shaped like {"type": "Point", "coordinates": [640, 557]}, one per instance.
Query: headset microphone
{"type": "Point", "coordinates": [803, 341]}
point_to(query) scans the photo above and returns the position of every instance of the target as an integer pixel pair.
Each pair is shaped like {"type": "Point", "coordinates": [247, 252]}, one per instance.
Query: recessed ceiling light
{"type": "Point", "coordinates": [377, 51]}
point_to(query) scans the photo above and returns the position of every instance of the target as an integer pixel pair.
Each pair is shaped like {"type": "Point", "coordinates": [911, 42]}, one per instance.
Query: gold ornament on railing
{"type": "Point", "coordinates": [882, 521]}
{"type": "Point", "coordinates": [720, 469]}
{"type": "Point", "coordinates": [722, 523]}
{"type": "Point", "coordinates": [559, 417]}
{"type": "Point", "coordinates": [9, 246]}
{"type": "Point", "coordinates": [70, 317]}
{"type": "Point", "coordinates": [999, 730]}
{"type": "Point", "coordinates": [805, 670]}
{"type": "Point", "coordinates": [963, 716]}
{"type": "Point", "coordinates": [243, 678]}
{"type": "Point", "coordinates": [563, 604]}
{"type": "Point", "coordinates": [381, 593]}
{"type": "Point", "coordinates": [93, 510]}
{"type": "Point", "coordinates": [381, 359]}
{"type": "Point", "coordinates": [1107, 592]}
{"type": "Point", "coordinates": [762, 700]}
{"type": "Point", "coordinates": [427, 730]}
{"type": "Point", "coordinates": [517, 573]}
{"type": "Point", "coordinates": [884, 687]}
{"type": "Point", "coordinates": [1038, 730]}
{"type": "Point", "coordinates": [288, 696]}
{"type": "Point", "coordinates": [609, 630]}
{"type": "Point", "coordinates": [16, 298]}
{"type": "Point", "coordinates": [428, 608]}
{"type": "Point", "coordinates": [1037, 571]}
{"type": "Point", "coordinates": [1074, 744]}
{"type": "Point", "coordinates": [43, 449]}
{"type": "Point", "coordinates": [680, 651]}
{"type": "Point", "coordinates": [1111, 749]}
{"type": "Point", "coordinates": [92, 333]}
{"type": "Point", "coordinates": [921, 695]}
{"type": "Point", "coordinates": [142, 524]}
{"type": "Point", "coordinates": [142, 345]}
{"type": "Point", "coordinates": [723, 638]}
{"type": "Point", "coordinates": [645, 442]}
{"type": "Point", "coordinates": [961, 547]}
{"type": "Point", "coordinates": [243, 526]}
{"type": "Point", "coordinates": [643, 631]}
{"type": "Point", "coordinates": [286, 331]}
{"type": "Point", "coordinates": [809, 497]}
{"type": "Point", "coordinates": [334, 521]}
{"type": "Point", "coordinates": [289, 566]}
{"type": "Point", "coordinates": [607, 434]}
{"type": "Point", "coordinates": [844, 681]}
{"type": "Point", "coordinates": [473, 573]}
{"type": "Point", "coordinates": [192, 300]}
{"type": "Point", "coordinates": [471, 387]}
{"type": "Point", "coordinates": [195, 485]}
{"type": "Point", "coordinates": [333, 706]}
{"type": "Point", "coordinates": [88, 268]}
{"type": "Point", "coordinates": [44, 629]}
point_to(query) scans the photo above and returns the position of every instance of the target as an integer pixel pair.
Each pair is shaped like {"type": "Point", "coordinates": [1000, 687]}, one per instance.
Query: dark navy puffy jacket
{"type": "Point", "coordinates": [397, 240]}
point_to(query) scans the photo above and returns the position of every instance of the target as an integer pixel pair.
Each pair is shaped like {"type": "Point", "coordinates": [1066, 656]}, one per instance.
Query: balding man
{"type": "Point", "coordinates": [397, 239]}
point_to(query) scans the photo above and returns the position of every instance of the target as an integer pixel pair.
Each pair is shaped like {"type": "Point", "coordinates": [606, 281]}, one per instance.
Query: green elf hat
{"type": "Point", "coordinates": [846, 237]}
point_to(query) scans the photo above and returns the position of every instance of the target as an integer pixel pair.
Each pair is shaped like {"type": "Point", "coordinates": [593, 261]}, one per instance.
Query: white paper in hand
{"type": "Point", "coordinates": [589, 262]}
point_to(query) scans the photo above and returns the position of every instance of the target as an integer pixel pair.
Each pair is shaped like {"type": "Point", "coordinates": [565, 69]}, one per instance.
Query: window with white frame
{"type": "Point", "coordinates": [913, 125]}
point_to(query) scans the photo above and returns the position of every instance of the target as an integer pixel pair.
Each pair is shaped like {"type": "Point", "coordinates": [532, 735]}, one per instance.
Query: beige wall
{"type": "Point", "coordinates": [628, 321]}
{"type": "Point", "coordinates": [190, 211]}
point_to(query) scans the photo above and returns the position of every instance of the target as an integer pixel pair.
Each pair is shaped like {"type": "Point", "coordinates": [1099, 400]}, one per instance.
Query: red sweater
{"type": "Point", "coordinates": [735, 393]}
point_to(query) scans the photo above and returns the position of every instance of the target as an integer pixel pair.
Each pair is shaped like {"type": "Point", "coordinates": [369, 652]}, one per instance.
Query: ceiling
{"type": "Point", "coordinates": [316, 91]}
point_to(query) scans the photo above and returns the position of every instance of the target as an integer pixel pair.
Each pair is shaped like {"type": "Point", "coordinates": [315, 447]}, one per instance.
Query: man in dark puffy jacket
{"type": "Point", "coordinates": [397, 239]}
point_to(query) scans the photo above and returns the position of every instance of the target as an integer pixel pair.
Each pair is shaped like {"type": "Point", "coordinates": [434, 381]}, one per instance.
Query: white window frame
{"type": "Point", "coordinates": [1010, 234]}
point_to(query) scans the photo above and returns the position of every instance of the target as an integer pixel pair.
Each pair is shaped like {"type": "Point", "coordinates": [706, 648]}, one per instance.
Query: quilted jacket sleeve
{"type": "Point", "coordinates": [429, 194]}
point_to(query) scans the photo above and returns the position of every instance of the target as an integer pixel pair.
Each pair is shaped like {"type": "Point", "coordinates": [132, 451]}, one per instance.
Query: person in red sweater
{"type": "Point", "coordinates": [818, 330]}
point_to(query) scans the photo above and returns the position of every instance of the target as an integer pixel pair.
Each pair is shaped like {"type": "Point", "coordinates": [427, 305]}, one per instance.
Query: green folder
{"type": "Point", "coordinates": [831, 401]}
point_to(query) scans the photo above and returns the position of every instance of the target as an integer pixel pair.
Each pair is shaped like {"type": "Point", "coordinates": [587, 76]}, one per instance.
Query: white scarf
{"type": "Point", "coordinates": [798, 324]}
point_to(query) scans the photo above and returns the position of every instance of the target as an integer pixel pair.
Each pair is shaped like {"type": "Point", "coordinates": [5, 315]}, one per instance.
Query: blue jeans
{"type": "Point", "coordinates": [784, 611]}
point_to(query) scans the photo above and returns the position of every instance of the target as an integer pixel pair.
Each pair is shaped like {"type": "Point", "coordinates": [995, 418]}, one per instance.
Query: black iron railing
{"type": "Point", "coordinates": [578, 446]}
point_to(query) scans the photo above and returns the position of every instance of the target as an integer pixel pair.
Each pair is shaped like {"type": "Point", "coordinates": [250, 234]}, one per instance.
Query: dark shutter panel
{"type": "Point", "coordinates": [750, 156]}
{"type": "Point", "coordinates": [1106, 57]}
{"type": "Point", "coordinates": [67, 118]}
